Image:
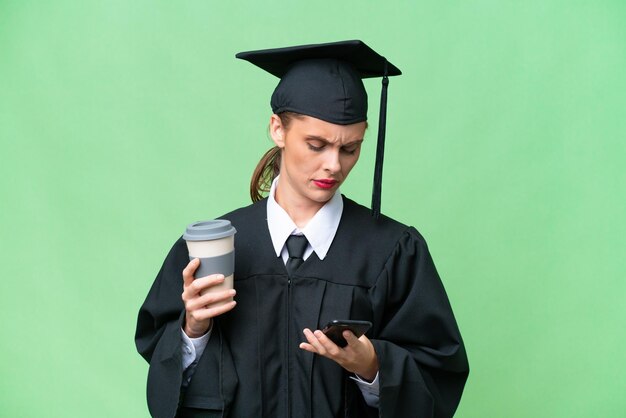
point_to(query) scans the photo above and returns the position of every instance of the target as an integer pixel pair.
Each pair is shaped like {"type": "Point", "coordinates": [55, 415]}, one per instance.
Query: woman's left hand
{"type": "Point", "coordinates": [357, 357]}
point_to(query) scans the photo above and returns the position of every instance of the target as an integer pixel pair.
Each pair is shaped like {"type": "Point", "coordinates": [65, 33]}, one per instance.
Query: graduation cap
{"type": "Point", "coordinates": [325, 81]}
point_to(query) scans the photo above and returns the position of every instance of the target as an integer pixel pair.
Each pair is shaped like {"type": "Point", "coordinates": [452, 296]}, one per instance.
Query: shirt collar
{"type": "Point", "coordinates": [320, 231]}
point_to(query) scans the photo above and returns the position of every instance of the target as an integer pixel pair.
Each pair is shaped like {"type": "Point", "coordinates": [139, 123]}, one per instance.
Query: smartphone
{"type": "Point", "coordinates": [335, 328]}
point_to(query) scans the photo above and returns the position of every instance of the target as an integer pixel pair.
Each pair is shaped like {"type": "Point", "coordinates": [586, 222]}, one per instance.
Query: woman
{"type": "Point", "coordinates": [264, 355]}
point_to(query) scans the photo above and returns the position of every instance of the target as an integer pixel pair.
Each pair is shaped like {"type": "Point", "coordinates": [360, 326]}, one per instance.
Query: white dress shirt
{"type": "Point", "coordinates": [319, 232]}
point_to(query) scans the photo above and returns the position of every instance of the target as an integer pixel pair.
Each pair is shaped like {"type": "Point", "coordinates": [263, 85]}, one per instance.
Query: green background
{"type": "Point", "coordinates": [123, 121]}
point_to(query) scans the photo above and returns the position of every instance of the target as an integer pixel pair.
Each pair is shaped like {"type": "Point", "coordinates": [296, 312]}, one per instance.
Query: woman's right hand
{"type": "Point", "coordinates": [198, 315]}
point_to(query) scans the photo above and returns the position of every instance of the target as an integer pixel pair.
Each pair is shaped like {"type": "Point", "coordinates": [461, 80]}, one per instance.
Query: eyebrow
{"type": "Point", "coordinates": [319, 138]}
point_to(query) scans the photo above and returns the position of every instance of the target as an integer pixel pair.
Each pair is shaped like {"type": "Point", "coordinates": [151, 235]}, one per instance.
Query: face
{"type": "Point", "coordinates": [317, 157]}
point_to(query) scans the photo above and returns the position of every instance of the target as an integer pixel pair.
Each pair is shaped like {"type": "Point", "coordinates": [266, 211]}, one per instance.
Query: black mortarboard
{"type": "Point", "coordinates": [324, 81]}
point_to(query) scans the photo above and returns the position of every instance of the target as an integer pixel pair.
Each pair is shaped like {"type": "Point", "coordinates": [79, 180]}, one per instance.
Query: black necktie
{"type": "Point", "coordinates": [296, 244]}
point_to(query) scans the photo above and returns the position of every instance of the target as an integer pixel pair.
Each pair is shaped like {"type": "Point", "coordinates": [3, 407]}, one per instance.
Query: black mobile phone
{"type": "Point", "coordinates": [335, 328]}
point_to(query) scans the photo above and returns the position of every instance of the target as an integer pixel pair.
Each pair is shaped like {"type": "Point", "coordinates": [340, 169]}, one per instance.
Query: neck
{"type": "Point", "coordinates": [300, 210]}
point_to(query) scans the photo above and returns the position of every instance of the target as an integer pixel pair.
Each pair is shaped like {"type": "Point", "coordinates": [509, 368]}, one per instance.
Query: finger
{"type": "Point", "coordinates": [199, 285]}
{"type": "Point", "coordinates": [209, 298]}
{"type": "Point", "coordinates": [211, 312]}
{"type": "Point", "coordinates": [330, 347]}
{"type": "Point", "coordinates": [314, 342]}
{"type": "Point", "coordinates": [202, 284]}
{"type": "Point", "coordinates": [308, 347]}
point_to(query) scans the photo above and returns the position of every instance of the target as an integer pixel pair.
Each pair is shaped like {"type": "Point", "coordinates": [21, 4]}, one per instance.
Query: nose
{"type": "Point", "coordinates": [332, 163]}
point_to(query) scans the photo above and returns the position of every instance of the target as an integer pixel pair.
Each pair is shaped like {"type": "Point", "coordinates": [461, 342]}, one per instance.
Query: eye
{"type": "Point", "coordinates": [315, 148]}
{"type": "Point", "coordinates": [351, 149]}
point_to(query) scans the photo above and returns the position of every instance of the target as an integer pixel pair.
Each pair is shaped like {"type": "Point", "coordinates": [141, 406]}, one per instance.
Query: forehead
{"type": "Point", "coordinates": [308, 126]}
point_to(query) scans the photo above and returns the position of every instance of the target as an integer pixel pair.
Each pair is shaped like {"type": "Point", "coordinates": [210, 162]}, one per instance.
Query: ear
{"type": "Point", "coordinates": [277, 131]}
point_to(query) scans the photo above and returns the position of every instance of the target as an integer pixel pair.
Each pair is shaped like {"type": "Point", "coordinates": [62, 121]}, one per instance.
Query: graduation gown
{"type": "Point", "coordinates": [375, 270]}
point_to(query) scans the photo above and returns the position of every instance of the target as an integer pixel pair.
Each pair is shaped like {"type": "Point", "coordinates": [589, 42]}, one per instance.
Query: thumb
{"type": "Point", "coordinates": [350, 338]}
{"type": "Point", "coordinates": [189, 271]}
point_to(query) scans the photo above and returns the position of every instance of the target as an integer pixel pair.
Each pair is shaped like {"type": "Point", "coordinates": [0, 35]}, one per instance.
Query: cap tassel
{"type": "Point", "coordinates": [380, 147]}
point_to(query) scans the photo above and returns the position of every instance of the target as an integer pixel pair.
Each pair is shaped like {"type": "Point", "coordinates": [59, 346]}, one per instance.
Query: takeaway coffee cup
{"type": "Point", "coordinates": [213, 242]}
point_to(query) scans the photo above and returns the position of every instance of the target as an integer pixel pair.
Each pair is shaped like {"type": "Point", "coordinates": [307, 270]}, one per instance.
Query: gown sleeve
{"type": "Point", "coordinates": [158, 337]}
{"type": "Point", "coordinates": [422, 360]}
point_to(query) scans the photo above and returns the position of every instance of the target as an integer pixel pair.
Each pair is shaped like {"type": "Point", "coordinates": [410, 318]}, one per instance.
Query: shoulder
{"type": "Point", "coordinates": [248, 216]}
{"type": "Point", "coordinates": [252, 239]}
{"type": "Point", "coordinates": [360, 222]}
{"type": "Point", "coordinates": [374, 243]}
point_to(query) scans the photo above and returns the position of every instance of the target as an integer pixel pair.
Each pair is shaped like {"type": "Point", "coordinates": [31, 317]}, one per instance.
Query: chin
{"type": "Point", "coordinates": [322, 196]}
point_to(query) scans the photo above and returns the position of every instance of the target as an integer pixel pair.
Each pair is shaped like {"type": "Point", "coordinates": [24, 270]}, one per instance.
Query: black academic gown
{"type": "Point", "coordinates": [375, 270]}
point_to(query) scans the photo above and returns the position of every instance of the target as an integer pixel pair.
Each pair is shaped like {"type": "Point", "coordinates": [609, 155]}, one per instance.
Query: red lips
{"type": "Point", "coordinates": [325, 183]}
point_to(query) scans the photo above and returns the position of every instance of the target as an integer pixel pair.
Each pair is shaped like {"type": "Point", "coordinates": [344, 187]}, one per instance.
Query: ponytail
{"type": "Point", "coordinates": [265, 172]}
{"type": "Point", "coordinates": [269, 167]}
